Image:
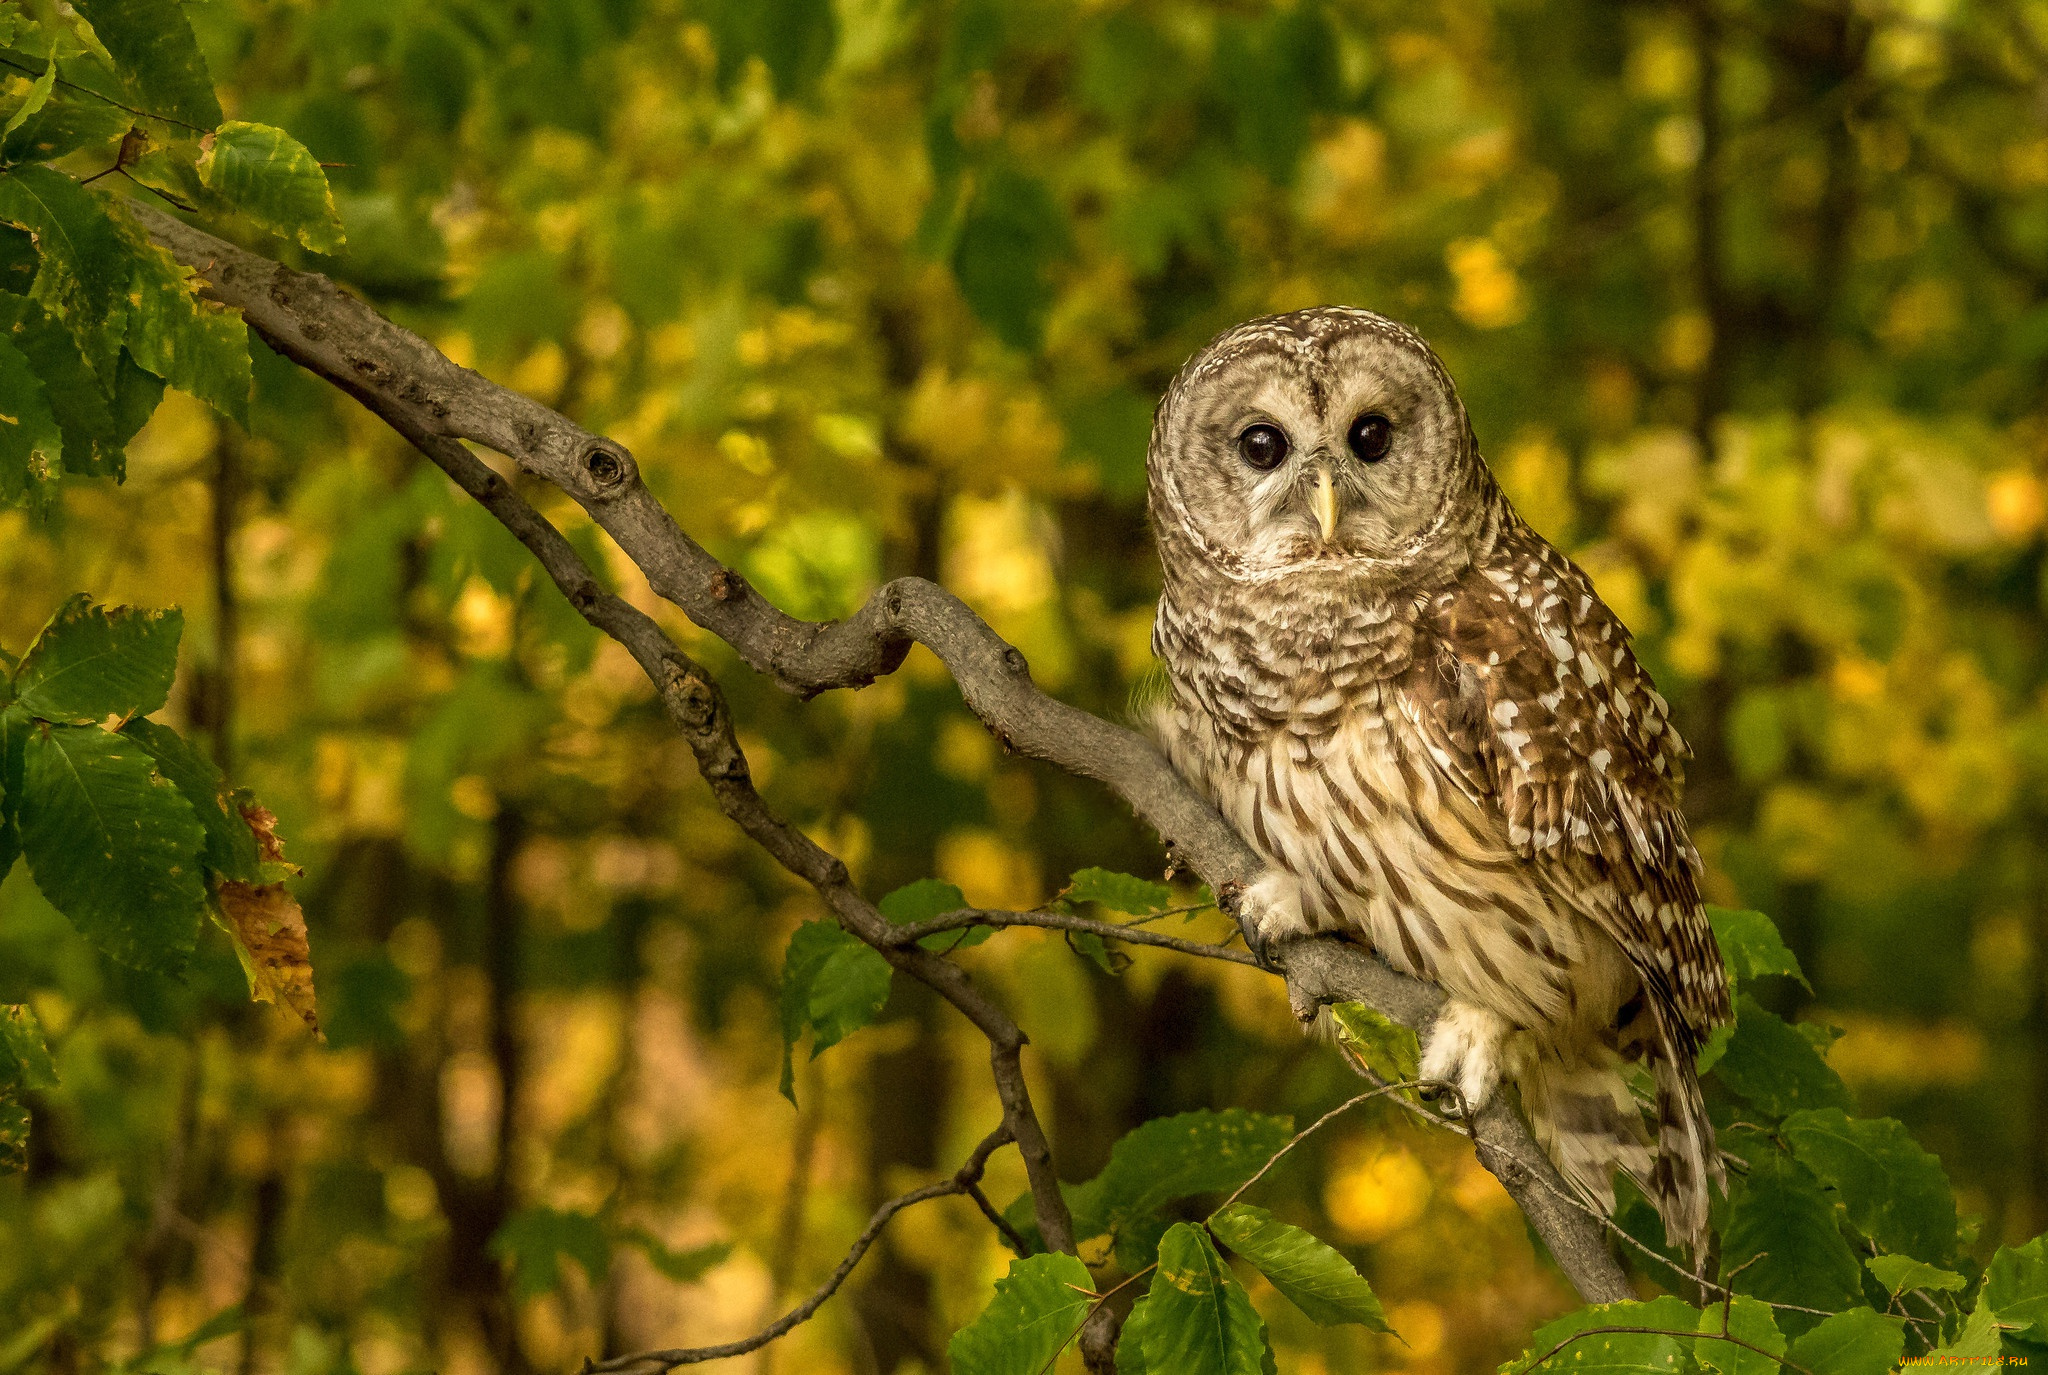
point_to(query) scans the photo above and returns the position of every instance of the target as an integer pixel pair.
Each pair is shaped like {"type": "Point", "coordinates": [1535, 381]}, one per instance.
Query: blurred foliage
{"type": "Point", "coordinates": [1750, 306]}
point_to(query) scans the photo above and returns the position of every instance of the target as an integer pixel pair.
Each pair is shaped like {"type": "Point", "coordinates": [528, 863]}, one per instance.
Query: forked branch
{"type": "Point", "coordinates": [436, 404]}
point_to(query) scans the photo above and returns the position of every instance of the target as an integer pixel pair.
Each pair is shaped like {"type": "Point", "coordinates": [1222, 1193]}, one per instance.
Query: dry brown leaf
{"type": "Point", "coordinates": [265, 920]}
{"type": "Point", "coordinates": [263, 822]}
{"type": "Point", "coordinates": [269, 926]}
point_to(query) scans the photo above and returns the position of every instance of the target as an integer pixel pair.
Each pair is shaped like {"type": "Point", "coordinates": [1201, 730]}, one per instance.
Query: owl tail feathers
{"type": "Point", "coordinates": [1584, 1115]}
{"type": "Point", "coordinates": [1688, 1161]}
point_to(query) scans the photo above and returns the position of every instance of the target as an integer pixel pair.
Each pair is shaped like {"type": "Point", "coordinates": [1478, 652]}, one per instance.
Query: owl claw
{"type": "Point", "coordinates": [1268, 912]}
{"type": "Point", "coordinates": [1464, 1054]}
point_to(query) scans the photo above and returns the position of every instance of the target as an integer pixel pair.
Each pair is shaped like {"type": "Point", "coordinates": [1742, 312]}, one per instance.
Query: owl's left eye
{"type": "Point", "coordinates": [1262, 446]}
{"type": "Point", "coordinates": [1370, 436]}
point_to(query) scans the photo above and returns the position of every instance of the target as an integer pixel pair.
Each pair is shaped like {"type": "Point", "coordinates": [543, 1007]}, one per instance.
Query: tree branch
{"type": "Point", "coordinates": [968, 917]}
{"type": "Point", "coordinates": [433, 402]}
{"type": "Point", "coordinates": [965, 1180]}
{"type": "Point", "coordinates": [695, 705]}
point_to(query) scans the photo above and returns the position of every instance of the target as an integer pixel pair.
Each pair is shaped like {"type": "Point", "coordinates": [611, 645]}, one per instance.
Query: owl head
{"type": "Point", "coordinates": [1328, 438]}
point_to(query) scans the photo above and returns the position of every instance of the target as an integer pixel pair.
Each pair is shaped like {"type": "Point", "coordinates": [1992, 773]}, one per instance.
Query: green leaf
{"type": "Point", "coordinates": [1037, 1309]}
{"type": "Point", "coordinates": [1977, 1342]}
{"type": "Point", "coordinates": [1776, 1068]}
{"type": "Point", "coordinates": [91, 662]}
{"type": "Point", "coordinates": [230, 845]}
{"type": "Point", "coordinates": [1716, 1044]}
{"type": "Point", "coordinates": [1171, 1158]}
{"type": "Point", "coordinates": [1899, 1273]}
{"type": "Point", "coordinates": [1749, 1320]}
{"type": "Point", "coordinates": [84, 267]}
{"type": "Point", "coordinates": [31, 440]}
{"type": "Point", "coordinates": [533, 1240]}
{"type": "Point", "coordinates": [1313, 1275]}
{"type": "Point", "coordinates": [795, 40]}
{"type": "Point", "coordinates": [38, 94]}
{"type": "Point", "coordinates": [928, 898]}
{"type": "Point", "coordinates": [1011, 236]}
{"type": "Point", "coordinates": [1091, 948]}
{"type": "Point", "coordinates": [14, 1124]}
{"type": "Point", "coordinates": [1895, 1192]}
{"type": "Point", "coordinates": [2016, 1284]}
{"type": "Point", "coordinates": [159, 59]}
{"type": "Point", "coordinates": [832, 983]}
{"type": "Point", "coordinates": [79, 400]}
{"type": "Point", "coordinates": [64, 125]}
{"type": "Point", "coordinates": [1751, 945]}
{"type": "Point", "coordinates": [1389, 1049]}
{"type": "Point", "coordinates": [1198, 1320]}
{"type": "Point", "coordinates": [1274, 76]}
{"type": "Point", "coordinates": [198, 346]}
{"type": "Point", "coordinates": [24, 1058]}
{"type": "Point", "coordinates": [1859, 1341]}
{"type": "Point", "coordinates": [1778, 1212]}
{"type": "Point", "coordinates": [15, 724]}
{"type": "Point", "coordinates": [112, 844]}
{"type": "Point", "coordinates": [269, 176]}
{"type": "Point", "coordinates": [1118, 892]}
{"type": "Point", "coordinates": [684, 1267]}
{"type": "Point", "coordinates": [1632, 1352]}
{"type": "Point", "coordinates": [1130, 1343]}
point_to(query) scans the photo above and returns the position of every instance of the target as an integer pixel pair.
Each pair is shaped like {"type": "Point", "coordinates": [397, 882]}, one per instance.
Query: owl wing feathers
{"type": "Point", "coordinates": [1535, 704]}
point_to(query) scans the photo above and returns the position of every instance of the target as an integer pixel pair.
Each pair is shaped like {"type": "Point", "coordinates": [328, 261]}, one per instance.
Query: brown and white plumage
{"type": "Point", "coordinates": [1426, 720]}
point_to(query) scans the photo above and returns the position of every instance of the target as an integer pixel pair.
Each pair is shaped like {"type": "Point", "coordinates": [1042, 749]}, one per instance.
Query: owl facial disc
{"type": "Point", "coordinates": [1328, 439]}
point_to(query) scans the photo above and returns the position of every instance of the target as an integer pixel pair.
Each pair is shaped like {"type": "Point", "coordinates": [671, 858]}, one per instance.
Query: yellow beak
{"type": "Point", "coordinates": [1326, 504]}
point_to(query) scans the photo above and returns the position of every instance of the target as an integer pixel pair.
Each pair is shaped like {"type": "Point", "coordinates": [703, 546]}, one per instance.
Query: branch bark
{"type": "Point", "coordinates": [436, 404]}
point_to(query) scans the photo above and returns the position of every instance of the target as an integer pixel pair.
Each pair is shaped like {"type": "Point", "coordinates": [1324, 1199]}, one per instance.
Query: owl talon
{"type": "Point", "coordinates": [1463, 1055]}
{"type": "Point", "coordinates": [1268, 912]}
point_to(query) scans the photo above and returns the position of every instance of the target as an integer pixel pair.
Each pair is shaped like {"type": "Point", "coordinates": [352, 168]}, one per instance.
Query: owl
{"type": "Point", "coordinates": [1437, 737]}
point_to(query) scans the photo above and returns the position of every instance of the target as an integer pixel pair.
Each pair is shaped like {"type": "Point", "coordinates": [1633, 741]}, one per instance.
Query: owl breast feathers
{"type": "Point", "coordinates": [1437, 735]}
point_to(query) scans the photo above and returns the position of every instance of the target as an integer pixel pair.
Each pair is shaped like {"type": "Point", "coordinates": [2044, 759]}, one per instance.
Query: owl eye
{"type": "Point", "coordinates": [1370, 436]}
{"type": "Point", "coordinates": [1262, 446]}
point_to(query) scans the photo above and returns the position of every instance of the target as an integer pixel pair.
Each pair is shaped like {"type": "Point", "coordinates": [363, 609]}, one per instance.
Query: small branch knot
{"type": "Point", "coordinates": [1013, 659]}
{"type": "Point", "coordinates": [728, 586]}
{"type": "Point", "coordinates": [607, 466]}
{"type": "Point", "coordinates": [698, 702]}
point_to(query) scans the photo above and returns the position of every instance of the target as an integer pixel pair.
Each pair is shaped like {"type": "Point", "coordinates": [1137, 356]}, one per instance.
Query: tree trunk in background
{"type": "Point", "coordinates": [789, 1227]}
{"type": "Point", "coordinates": [1710, 395]}
{"type": "Point", "coordinates": [476, 1209]}
{"type": "Point", "coordinates": [908, 1098]}
{"type": "Point", "coordinates": [1830, 44]}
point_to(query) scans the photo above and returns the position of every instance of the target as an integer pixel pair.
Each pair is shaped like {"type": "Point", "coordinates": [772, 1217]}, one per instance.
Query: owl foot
{"type": "Point", "coordinates": [1268, 912]}
{"type": "Point", "coordinates": [1464, 1052]}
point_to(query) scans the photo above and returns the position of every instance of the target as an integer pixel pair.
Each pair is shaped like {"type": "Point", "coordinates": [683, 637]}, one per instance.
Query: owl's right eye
{"type": "Point", "coordinates": [1262, 446]}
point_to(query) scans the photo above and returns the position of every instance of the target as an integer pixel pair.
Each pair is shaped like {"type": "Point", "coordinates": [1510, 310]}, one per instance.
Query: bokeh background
{"type": "Point", "coordinates": [1748, 299]}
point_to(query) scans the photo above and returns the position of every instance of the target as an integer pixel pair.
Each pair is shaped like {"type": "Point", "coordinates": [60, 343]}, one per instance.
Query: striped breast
{"type": "Point", "coordinates": [1383, 849]}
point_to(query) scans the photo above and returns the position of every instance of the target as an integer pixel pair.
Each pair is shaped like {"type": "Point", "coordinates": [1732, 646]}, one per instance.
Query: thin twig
{"type": "Point", "coordinates": [1311, 1129]}
{"type": "Point", "coordinates": [1662, 1332]}
{"type": "Point", "coordinates": [1010, 1235]}
{"type": "Point", "coordinates": [87, 90]}
{"type": "Point", "coordinates": [1061, 921]}
{"type": "Point", "coordinates": [965, 1178]}
{"type": "Point", "coordinates": [1100, 1300]}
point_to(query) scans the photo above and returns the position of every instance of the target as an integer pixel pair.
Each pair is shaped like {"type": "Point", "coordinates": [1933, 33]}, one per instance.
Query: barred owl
{"type": "Point", "coordinates": [1436, 735]}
